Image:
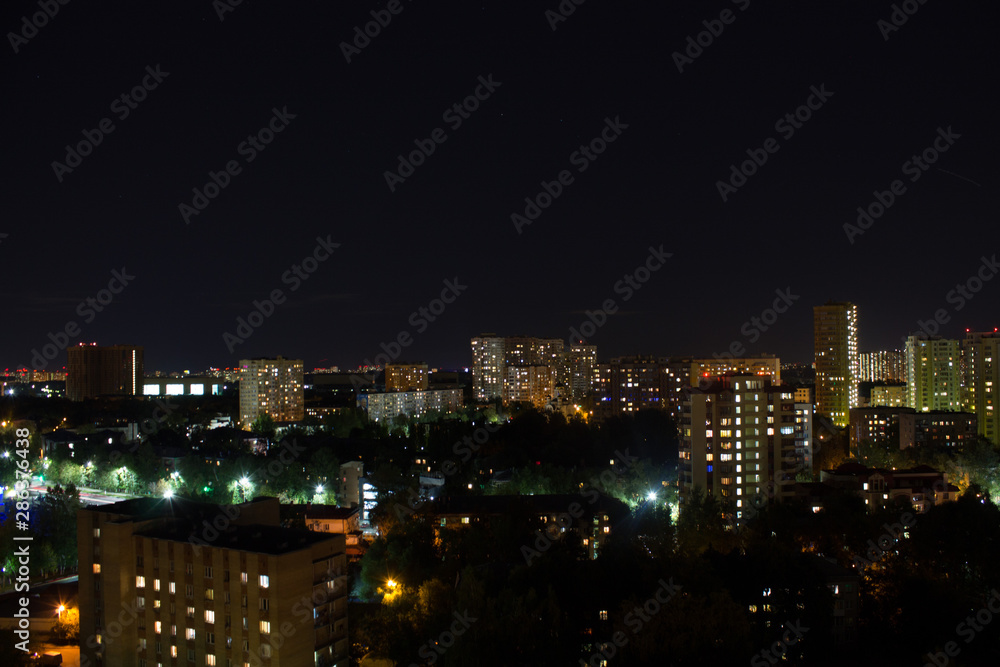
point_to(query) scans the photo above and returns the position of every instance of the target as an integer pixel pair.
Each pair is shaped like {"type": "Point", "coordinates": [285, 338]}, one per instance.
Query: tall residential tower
{"type": "Point", "coordinates": [835, 338]}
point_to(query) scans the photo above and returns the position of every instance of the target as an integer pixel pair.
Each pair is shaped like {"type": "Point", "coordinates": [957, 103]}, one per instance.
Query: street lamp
{"type": "Point", "coordinates": [244, 486]}
{"type": "Point", "coordinates": [319, 488]}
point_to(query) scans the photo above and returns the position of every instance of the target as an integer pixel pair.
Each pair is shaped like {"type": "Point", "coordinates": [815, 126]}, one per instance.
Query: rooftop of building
{"type": "Point", "coordinates": [270, 540]}
{"type": "Point", "coordinates": [181, 520]}
{"type": "Point", "coordinates": [311, 511]}
{"type": "Point", "coordinates": [535, 504]}
{"type": "Point", "coordinates": [855, 469]}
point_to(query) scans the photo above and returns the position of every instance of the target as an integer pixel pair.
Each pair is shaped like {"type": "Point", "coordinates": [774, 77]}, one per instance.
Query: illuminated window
{"type": "Point", "coordinates": [173, 651]}
{"type": "Point", "coordinates": [157, 627]}
{"type": "Point", "coordinates": [156, 584]}
{"type": "Point", "coordinates": [97, 568]}
{"type": "Point", "coordinates": [209, 616]}
{"type": "Point", "coordinates": [265, 581]}
{"type": "Point", "coordinates": [265, 627]}
{"type": "Point", "coordinates": [140, 582]}
{"type": "Point", "coordinates": [189, 633]}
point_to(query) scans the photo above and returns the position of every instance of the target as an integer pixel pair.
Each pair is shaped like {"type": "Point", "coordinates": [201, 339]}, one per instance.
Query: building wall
{"type": "Point", "coordinates": [739, 436]}
{"type": "Point", "coordinates": [94, 371]}
{"type": "Point", "coordinates": [934, 373]}
{"type": "Point", "coordinates": [889, 396]}
{"type": "Point", "coordinates": [487, 367]}
{"type": "Point", "coordinates": [981, 382]}
{"type": "Point", "coordinates": [529, 384]}
{"type": "Point", "coordinates": [272, 387]}
{"type": "Point", "coordinates": [305, 593]}
{"type": "Point", "coordinates": [581, 362]}
{"type": "Point", "coordinates": [636, 383]}
{"type": "Point", "coordinates": [937, 428]}
{"type": "Point", "coordinates": [381, 406]}
{"type": "Point", "coordinates": [882, 366]}
{"type": "Point", "coordinates": [406, 377]}
{"type": "Point", "coordinates": [835, 342]}
{"type": "Point", "coordinates": [185, 386]}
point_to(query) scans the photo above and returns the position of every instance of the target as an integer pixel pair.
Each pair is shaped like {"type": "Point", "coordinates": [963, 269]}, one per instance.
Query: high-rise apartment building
{"type": "Point", "coordinates": [742, 435]}
{"type": "Point", "coordinates": [94, 371]}
{"type": "Point", "coordinates": [581, 360]}
{"type": "Point", "coordinates": [933, 369]}
{"type": "Point", "coordinates": [488, 367]}
{"type": "Point", "coordinates": [637, 384]}
{"type": "Point", "coordinates": [981, 381]}
{"type": "Point", "coordinates": [529, 384]}
{"type": "Point", "coordinates": [494, 357]}
{"type": "Point", "coordinates": [882, 366]}
{"type": "Point", "coordinates": [271, 387]}
{"type": "Point", "coordinates": [406, 377]}
{"type": "Point", "coordinates": [679, 373]}
{"type": "Point", "coordinates": [835, 341]}
{"type": "Point", "coordinates": [174, 582]}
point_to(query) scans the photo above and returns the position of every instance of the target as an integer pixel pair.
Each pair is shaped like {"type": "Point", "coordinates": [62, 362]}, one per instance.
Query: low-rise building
{"type": "Point", "coordinates": [920, 488]}
{"type": "Point", "coordinates": [413, 404]}
{"type": "Point", "coordinates": [590, 517]}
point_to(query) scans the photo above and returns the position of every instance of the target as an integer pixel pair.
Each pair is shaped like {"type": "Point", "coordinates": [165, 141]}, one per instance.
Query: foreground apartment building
{"type": "Point", "coordinates": [742, 436]}
{"type": "Point", "coordinates": [169, 582]}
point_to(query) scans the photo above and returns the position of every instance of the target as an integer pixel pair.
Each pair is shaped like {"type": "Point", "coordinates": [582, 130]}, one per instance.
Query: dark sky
{"type": "Point", "coordinates": [656, 184]}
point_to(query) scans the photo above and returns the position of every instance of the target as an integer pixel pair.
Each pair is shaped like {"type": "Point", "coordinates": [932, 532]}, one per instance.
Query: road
{"type": "Point", "coordinates": [89, 496]}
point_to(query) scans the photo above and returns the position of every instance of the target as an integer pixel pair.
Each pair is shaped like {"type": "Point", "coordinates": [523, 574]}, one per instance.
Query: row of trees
{"type": "Point", "coordinates": [738, 589]}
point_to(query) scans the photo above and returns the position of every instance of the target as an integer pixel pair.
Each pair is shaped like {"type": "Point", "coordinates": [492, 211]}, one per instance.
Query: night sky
{"type": "Point", "coordinates": [656, 184]}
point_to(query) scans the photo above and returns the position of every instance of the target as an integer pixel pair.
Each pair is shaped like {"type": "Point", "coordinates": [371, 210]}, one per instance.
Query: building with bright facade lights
{"type": "Point", "coordinates": [882, 366]}
{"type": "Point", "coordinates": [271, 387]}
{"type": "Point", "coordinates": [156, 587]}
{"type": "Point", "coordinates": [742, 436]}
{"type": "Point", "coordinates": [94, 371]}
{"type": "Point", "coordinates": [835, 343]}
{"type": "Point", "coordinates": [189, 385]}
{"type": "Point", "coordinates": [981, 372]}
{"type": "Point", "coordinates": [934, 377]}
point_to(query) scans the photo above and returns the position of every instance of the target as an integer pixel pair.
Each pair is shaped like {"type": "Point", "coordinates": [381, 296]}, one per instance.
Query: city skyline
{"type": "Point", "coordinates": [647, 164]}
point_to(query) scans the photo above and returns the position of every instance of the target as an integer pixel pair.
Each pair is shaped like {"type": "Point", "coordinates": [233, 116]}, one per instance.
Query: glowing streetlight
{"type": "Point", "coordinates": [319, 488]}
{"type": "Point", "coordinates": [168, 494]}
{"type": "Point", "coordinates": [651, 497]}
{"type": "Point", "coordinates": [390, 583]}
